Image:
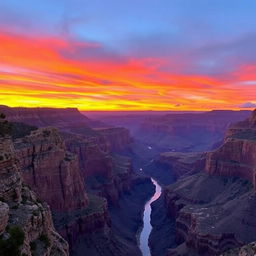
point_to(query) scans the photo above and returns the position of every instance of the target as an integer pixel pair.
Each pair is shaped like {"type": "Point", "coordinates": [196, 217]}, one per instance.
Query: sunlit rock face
{"type": "Point", "coordinates": [42, 117]}
{"type": "Point", "coordinates": [26, 224]}
{"type": "Point", "coordinates": [54, 173]}
{"type": "Point", "coordinates": [51, 171]}
{"type": "Point", "coordinates": [61, 164]}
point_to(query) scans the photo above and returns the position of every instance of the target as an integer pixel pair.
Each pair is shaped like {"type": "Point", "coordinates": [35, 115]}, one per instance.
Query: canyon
{"type": "Point", "coordinates": [95, 174]}
{"type": "Point", "coordinates": [213, 208]}
{"type": "Point", "coordinates": [77, 171]}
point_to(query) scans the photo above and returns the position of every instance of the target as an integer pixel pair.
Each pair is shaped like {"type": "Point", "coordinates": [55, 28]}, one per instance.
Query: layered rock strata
{"type": "Point", "coordinates": [212, 214]}
{"type": "Point", "coordinates": [26, 224]}
{"type": "Point", "coordinates": [51, 171]}
{"type": "Point", "coordinates": [215, 210]}
{"type": "Point", "coordinates": [182, 163]}
{"type": "Point", "coordinates": [236, 157]}
{"type": "Point", "coordinates": [54, 174]}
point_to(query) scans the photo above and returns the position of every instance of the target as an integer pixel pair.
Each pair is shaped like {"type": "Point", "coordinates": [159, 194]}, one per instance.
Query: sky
{"type": "Point", "coordinates": [128, 54]}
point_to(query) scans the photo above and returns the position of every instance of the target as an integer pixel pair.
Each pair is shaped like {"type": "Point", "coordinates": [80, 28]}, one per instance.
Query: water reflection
{"type": "Point", "coordinates": [146, 220]}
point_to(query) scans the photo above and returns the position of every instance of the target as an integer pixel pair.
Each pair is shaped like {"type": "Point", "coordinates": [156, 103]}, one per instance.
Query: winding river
{"type": "Point", "coordinates": [144, 236]}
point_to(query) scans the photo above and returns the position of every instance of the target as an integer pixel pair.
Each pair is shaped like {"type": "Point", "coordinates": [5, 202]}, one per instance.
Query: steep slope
{"type": "Point", "coordinates": [50, 170]}
{"type": "Point", "coordinates": [236, 157]}
{"type": "Point", "coordinates": [26, 224]}
{"type": "Point", "coordinates": [54, 174]}
{"type": "Point", "coordinates": [215, 210]}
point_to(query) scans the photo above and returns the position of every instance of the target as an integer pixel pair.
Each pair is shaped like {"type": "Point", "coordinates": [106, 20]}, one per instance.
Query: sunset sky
{"type": "Point", "coordinates": [128, 54]}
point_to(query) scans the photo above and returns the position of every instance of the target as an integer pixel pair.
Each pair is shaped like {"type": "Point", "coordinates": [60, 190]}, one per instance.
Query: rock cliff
{"type": "Point", "coordinates": [117, 138]}
{"type": "Point", "coordinates": [67, 119]}
{"type": "Point", "coordinates": [26, 224]}
{"type": "Point", "coordinates": [236, 157]}
{"type": "Point", "coordinates": [58, 164]}
{"type": "Point", "coordinates": [50, 170]}
{"type": "Point", "coordinates": [189, 131]}
{"type": "Point", "coordinates": [54, 173]}
{"type": "Point", "coordinates": [182, 163]}
{"type": "Point", "coordinates": [104, 172]}
{"type": "Point", "coordinates": [215, 210]}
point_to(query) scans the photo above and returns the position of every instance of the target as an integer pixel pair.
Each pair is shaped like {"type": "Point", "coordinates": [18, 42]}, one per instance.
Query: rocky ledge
{"type": "Point", "coordinates": [236, 157]}
{"type": "Point", "coordinates": [105, 173]}
{"type": "Point", "coordinates": [215, 210]}
{"type": "Point", "coordinates": [212, 213]}
{"type": "Point", "coordinates": [181, 163]}
{"type": "Point", "coordinates": [54, 173]}
{"type": "Point", "coordinates": [51, 170]}
{"type": "Point", "coordinates": [26, 224]}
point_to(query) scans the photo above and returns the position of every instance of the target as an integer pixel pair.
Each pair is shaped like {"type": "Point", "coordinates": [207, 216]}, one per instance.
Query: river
{"type": "Point", "coordinates": [146, 230]}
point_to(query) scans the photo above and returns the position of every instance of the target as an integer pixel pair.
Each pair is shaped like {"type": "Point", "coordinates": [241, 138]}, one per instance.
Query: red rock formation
{"type": "Point", "coordinates": [236, 157]}
{"type": "Point", "coordinates": [41, 117]}
{"type": "Point", "coordinates": [105, 174]}
{"type": "Point", "coordinates": [84, 222]}
{"type": "Point", "coordinates": [55, 175]}
{"type": "Point", "coordinates": [59, 177]}
{"type": "Point", "coordinates": [117, 138]}
{"type": "Point", "coordinates": [215, 210]}
{"type": "Point", "coordinates": [24, 214]}
{"type": "Point", "coordinates": [51, 171]}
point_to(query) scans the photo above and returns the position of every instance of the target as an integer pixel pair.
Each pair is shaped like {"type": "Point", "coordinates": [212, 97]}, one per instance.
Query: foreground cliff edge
{"type": "Point", "coordinates": [26, 226]}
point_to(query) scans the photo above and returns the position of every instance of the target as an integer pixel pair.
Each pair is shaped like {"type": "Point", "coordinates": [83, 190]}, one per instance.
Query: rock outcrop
{"type": "Point", "coordinates": [54, 173]}
{"type": "Point", "coordinates": [246, 250]}
{"type": "Point", "coordinates": [117, 138]}
{"type": "Point", "coordinates": [93, 149]}
{"type": "Point", "coordinates": [26, 224]}
{"type": "Point", "coordinates": [105, 173]}
{"type": "Point", "coordinates": [182, 163]}
{"type": "Point", "coordinates": [212, 214]}
{"type": "Point", "coordinates": [67, 119]}
{"type": "Point", "coordinates": [51, 170]}
{"type": "Point", "coordinates": [215, 210]}
{"type": "Point", "coordinates": [57, 165]}
{"type": "Point", "coordinates": [236, 157]}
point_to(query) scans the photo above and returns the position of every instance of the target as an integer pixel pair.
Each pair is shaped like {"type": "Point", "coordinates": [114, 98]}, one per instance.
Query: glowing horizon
{"type": "Point", "coordinates": [89, 70]}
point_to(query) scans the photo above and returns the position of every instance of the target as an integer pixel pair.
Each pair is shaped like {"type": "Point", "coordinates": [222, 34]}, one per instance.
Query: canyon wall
{"type": "Point", "coordinates": [54, 173]}
{"type": "Point", "coordinates": [105, 174]}
{"type": "Point", "coordinates": [92, 147]}
{"type": "Point", "coordinates": [58, 164]}
{"type": "Point", "coordinates": [214, 210]}
{"type": "Point", "coordinates": [50, 170]}
{"type": "Point", "coordinates": [180, 164]}
{"type": "Point", "coordinates": [41, 117]}
{"type": "Point", "coordinates": [117, 138]}
{"type": "Point", "coordinates": [26, 224]}
{"type": "Point", "coordinates": [236, 157]}
{"type": "Point", "coordinates": [188, 132]}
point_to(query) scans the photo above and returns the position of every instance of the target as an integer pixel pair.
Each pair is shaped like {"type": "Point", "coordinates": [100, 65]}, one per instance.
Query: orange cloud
{"type": "Point", "coordinates": [59, 73]}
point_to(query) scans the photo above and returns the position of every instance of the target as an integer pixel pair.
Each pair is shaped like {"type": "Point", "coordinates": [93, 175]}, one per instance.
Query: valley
{"type": "Point", "coordinates": [112, 191]}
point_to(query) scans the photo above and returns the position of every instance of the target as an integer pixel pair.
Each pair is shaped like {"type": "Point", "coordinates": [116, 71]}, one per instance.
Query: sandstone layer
{"type": "Point", "coordinates": [26, 224]}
